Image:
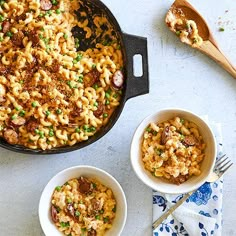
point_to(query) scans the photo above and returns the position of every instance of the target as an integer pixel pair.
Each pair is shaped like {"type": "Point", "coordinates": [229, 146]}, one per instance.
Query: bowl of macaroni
{"type": "Point", "coordinates": [66, 71]}
{"type": "Point", "coordinates": [173, 151]}
{"type": "Point", "coordinates": [82, 200]}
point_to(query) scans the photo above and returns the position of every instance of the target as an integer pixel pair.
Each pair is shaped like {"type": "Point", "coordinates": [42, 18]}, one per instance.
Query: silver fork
{"type": "Point", "coordinates": [221, 166]}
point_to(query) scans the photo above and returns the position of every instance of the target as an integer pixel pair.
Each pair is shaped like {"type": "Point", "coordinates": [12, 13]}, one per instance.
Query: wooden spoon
{"type": "Point", "coordinates": [182, 9]}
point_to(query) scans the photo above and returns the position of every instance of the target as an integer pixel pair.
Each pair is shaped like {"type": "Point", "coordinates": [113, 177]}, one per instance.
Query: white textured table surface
{"type": "Point", "coordinates": [179, 77]}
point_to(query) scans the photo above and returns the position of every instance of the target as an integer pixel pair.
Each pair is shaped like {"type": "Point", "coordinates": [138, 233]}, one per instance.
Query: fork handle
{"type": "Point", "coordinates": [172, 209]}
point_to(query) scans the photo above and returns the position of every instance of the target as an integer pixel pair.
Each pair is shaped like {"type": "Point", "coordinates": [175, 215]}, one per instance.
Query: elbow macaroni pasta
{"type": "Point", "coordinates": [45, 99]}
{"type": "Point", "coordinates": [173, 149]}
{"type": "Point", "coordinates": [77, 213]}
{"type": "Point", "coordinates": [187, 30]}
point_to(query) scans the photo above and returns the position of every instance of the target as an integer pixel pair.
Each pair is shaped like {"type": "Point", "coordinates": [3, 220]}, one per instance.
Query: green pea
{"type": "Point", "coordinates": [47, 113]}
{"type": "Point", "coordinates": [85, 127]}
{"type": "Point", "coordinates": [41, 134]}
{"type": "Point", "coordinates": [79, 57]}
{"type": "Point", "coordinates": [51, 133]}
{"type": "Point", "coordinates": [105, 115]}
{"type": "Point", "coordinates": [2, 18]}
{"type": "Point", "coordinates": [106, 219]}
{"type": "Point", "coordinates": [34, 104]}
{"type": "Point", "coordinates": [97, 217]}
{"type": "Point", "coordinates": [58, 11]}
{"type": "Point", "coordinates": [14, 117]}
{"type": "Point", "coordinates": [114, 209]}
{"type": "Point", "coordinates": [65, 36]}
{"type": "Point", "coordinates": [36, 131]}
{"type": "Point", "coordinates": [96, 104]}
{"type": "Point", "coordinates": [178, 33]}
{"type": "Point", "coordinates": [9, 34]}
{"type": "Point", "coordinates": [2, 2]}
{"type": "Point", "coordinates": [69, 200]}
{"type": "Point", "coordinates": [58, 111]}
{"type": "Point", "coordinates": [1, 39]}
{"type": "Point", "coordinates": [77, 130]}
{"type": "Point", "coordinates": [77, 213]}
{"type": "Point", "coordinates": [22, 113]}
{"type": "Point", "coordinates": [148, 129]}
{"type": "Point", "coordinates": [58, 188]}
{"type": "Point", "coordinates": [107, 95]}
{"type": "Point", "coordinates": [107, 102]}
{"type": "Point", "coordinates": [64, 224]}
{"type": "Point", "coordinates": [92, 129]}
{"type": "Point", "coordinates": [54, 2]}
{"type": "Point", "coordinates": [95, 86]}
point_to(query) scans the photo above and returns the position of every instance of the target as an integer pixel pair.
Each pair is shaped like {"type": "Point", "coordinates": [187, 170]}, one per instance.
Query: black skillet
{"type": "Point", "coordinates": [134, 86]}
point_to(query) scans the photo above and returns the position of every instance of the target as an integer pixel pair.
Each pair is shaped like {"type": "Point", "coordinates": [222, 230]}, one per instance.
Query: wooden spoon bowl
{"type": "Point", "coordinates": [182, 9]}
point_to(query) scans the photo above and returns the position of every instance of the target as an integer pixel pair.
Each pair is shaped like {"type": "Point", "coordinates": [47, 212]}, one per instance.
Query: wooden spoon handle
{"type": "Point", "coordinates": [214, 52]}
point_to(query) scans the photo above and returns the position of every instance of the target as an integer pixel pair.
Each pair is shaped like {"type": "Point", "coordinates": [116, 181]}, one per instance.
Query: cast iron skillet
{"type": "Point", "coordinates": [134, 86]}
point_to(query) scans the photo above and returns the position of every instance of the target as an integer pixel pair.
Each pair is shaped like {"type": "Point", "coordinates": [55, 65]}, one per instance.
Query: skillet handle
{"type": "Point", "coordinates": [136, 85]}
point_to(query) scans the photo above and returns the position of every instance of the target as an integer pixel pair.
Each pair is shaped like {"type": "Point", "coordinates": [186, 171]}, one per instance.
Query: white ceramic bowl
{"type": "Point", "coordinates": [159, 184]}
{"type": "Point", "coordinates": [74, 172]}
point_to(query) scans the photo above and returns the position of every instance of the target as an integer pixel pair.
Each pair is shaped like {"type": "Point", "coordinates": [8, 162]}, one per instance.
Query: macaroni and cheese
{"type": "Point", "coordinates": [83, 206]}
{"type": "Point", "coordinates": [56, 90]}
{"type": "Point", "coordinates": [173, 149]}
{"type": "Point", "coordinates": [185, 29]}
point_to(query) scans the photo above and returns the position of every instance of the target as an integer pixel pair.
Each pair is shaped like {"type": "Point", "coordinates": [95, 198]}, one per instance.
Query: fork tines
{"type": "Point", "coordinates": [222, 165]}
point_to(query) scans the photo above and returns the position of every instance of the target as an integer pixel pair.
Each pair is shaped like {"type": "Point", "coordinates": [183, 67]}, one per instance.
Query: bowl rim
{"type": "Point", "coordinates": [134, 160]}
{"type": "Point", "coordinates": [89, 167]}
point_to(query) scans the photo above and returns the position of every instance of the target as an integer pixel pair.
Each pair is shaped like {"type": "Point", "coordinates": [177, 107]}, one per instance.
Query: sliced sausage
{"type": "Point", "coordinates": [165, 135]}
{"type": "Point", "coordinates": [92, 232]}
{"type": "Point", "coordinates": [3, 69]}
{"type": "Point", "coordinates": [70, 209]}
{"type": "Point", "coordinates": [6, 26]}
{"type": "Point", "coordinates": [190, 140]}
{"type": "Point", "coordinates": [85, 186]}
{"type": "Point", "coordinates": [11, 136]}
{"type": "Point", "coordinates": [55, 67]}
{"type": "Point", "coordinates": [32, 125]}
{"type": "Point", "coordinates": [33, 37]}
{"type": "Point", "coordinates": [100, 109]}
{"type": "Point", "coordinates": [19, 121]}
{"type": "Point", "coordinates": [180, 27]}
{"type": "Point", "coordinates": [54, 214]}
{"type": "Point", "coordinates": [118, 79]}
{"type": "Point", "coordinates": [18, 38]}
{"type": "Point", "coordinates": [45, 5]}
{"type": "Point", "coordinates": [95, 206]}
{"type": "Point", "coordinates": [91, 78]}
{"type": "Point", "coordinates": [179, 180]}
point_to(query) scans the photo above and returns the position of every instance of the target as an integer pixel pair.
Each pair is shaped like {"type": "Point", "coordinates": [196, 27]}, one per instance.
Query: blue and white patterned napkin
{"type": "Point", "coordinates": [200, 215]}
